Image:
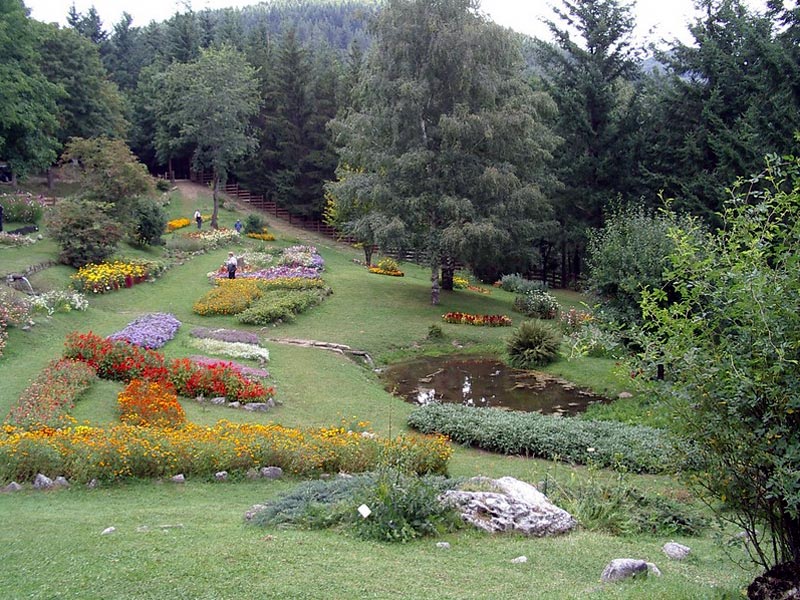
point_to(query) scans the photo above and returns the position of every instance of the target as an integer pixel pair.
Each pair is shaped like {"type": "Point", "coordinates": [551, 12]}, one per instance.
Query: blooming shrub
{"type": "Point", "coordinates": [460, 283]}
{"type": "Point", "coordinates": [387, 266]}
{"type": "Point", "coordinates": [233, 349]}
{"type": "Point", "coordinates": [120, 361]}
{"type": "Point", "coordinates": [17, 307]}
{"type": "Point", "coordinates": [52, 393]}
{"type": "Point", "coordinates": [149, 331]}
{"type": "Point", "coordinates": [301, 256]}
{"type": "Point", "coordinates": [150, 403]}
{"type": "Point", "coordinates": [21, 208]}
{"type": "Point", "coordinates": [105, 277]}
{"type": "Point", "coordinates": [58, 301]}
{"type": "Point", "coordinates": [485, 320]}
{"type": "Point", "coordinates": [125, 451]}
{"type": "Point", "coordinates": [572, 320]}
{"type": "Point", "coordinates": [213, 238]}
{"type": "Point", "coordinates": [538, 304]}
{"type": "Point", "coordinates": [175, 224]}
{"type": "Point", "coordinates": [229, 297]}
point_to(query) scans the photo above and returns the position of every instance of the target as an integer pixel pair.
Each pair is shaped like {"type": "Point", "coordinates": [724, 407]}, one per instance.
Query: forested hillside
{"type": "Point", "coordinates": [599, 126]}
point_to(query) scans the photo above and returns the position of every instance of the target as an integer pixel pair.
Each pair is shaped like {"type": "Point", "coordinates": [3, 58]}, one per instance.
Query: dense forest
{"type": "Point", "coordinates": [417, 123]}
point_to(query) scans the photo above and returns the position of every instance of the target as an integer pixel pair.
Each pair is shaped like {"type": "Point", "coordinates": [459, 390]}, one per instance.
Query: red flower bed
{"type": "Point", "coordinates": [485, 320]}
{"type": "Point", "coordinates": [122, 361]}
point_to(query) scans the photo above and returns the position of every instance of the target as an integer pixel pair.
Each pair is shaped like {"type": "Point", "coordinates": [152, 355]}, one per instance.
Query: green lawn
{"type": "Point", "coordinates": [52, 547]}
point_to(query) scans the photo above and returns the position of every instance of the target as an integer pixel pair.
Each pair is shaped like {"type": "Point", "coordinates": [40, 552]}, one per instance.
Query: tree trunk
{"type": "Point", "coordinates": [435, 283]}
{"type": "Point", "coordinates": [368, 248]}
{"type": "Point", "coordinates": [171, 171]}
{"type": "Point", "coordinates": [50, 178]}
{"type": "Point", "coordinates": [448, 270]}
{"type": "Point", "coordinates": [216, 202]}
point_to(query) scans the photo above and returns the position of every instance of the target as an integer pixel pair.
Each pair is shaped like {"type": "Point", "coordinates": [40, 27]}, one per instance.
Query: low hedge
{"type": "Point", "coordinates": [282, 305]}
{"type": "Point", "coordinates": [601, 443]}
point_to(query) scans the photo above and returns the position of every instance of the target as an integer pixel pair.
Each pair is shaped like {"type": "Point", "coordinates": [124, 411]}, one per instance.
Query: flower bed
{"type": "Point", "coordinates": [484, 320]}
{"type": "Point", "coordinates": [379, 271]}
{"type": "Point", "coordinates": [233, 349]}
{"type": "Point", "coordinates": [149, 331]}
{"type": "Point", "coordinates": [58, 301]}
{"type": "Point", "coordinates": [264, 237]}
{"type": "Point", "coordinates": [150, 403]}
{"type": "Point", "coordinates": [250, 372]}
{"type": "Point", "coordinates": [213, 238]}
{"type": "Point", "coordinates": [177, 224]}
{"type": "Point", "coordinates": [229, 297]}
{"type": "Point", "coordinates": [83, 453]}
{"type": "Point", "coordinates": [9, 240]}
{"type": "Point", "coordinates": [106, 277]}
{"type": "Point", "coordinates": [52, 394]}
{"type": "Point", "coordinates": [120, 361]}
{"type": "Point", "coordinates": [22, 207]}
{"type": "Point", "coordinates": [226, 335]}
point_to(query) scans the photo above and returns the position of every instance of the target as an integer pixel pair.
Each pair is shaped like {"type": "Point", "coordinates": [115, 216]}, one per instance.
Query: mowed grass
{"type": "Point", "coordinates": [52, 542]}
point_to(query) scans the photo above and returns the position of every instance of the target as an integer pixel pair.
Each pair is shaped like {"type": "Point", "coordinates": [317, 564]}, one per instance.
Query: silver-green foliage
{"type": "Point", "coordinates": [730, 341]}
{"type": "Point", "coordinates": [282, 305]}
{"type": "Point", "coordinates": [601, 443]}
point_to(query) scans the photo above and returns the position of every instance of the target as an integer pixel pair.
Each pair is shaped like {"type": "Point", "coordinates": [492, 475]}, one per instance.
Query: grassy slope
{"type": "Point", "coordinates": [52, 542]}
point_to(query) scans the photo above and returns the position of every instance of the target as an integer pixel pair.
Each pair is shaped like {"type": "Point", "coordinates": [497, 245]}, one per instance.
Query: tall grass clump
{"type": "Point", "coordinates": [533, 344]}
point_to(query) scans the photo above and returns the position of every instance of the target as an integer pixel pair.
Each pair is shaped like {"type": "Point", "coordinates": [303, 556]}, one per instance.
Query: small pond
{"type": "Point", "coordinates": [484, 382]}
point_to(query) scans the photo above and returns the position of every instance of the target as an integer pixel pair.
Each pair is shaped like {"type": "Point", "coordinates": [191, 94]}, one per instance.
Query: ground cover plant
{"type": "Point", "coordinates": [318, 389]}
{"type": "Point", "coordinates": [152, 330]}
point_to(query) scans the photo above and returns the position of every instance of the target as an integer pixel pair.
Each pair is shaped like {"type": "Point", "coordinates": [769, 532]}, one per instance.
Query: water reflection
{"type": "Point", "coordinates": [485, 382]}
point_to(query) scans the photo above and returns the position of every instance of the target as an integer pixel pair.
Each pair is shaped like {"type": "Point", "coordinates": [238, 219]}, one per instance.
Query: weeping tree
{"type": "Point", "coordinates": [444, 151]}
{"type": "Point", "coordinates": [216, 98]}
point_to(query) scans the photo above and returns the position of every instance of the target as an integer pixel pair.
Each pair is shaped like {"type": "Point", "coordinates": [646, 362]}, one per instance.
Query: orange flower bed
{"type": "Point", "coordinates": [151, 403]}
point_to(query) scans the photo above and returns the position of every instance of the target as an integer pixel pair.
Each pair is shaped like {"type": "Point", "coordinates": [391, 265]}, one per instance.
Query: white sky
{"type": "Point", "coordinates": [665, 18]}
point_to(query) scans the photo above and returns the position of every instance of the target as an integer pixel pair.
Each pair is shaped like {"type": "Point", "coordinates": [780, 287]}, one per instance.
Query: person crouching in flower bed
{"type": "Point", "coordinates": [231, 264]}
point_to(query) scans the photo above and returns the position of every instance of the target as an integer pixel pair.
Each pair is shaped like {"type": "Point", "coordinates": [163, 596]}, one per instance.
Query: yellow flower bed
{"type": "Point", "coordinates": [177, 224]}
{"type": "Point", "coordinates": [266, 237]}
{"type": "Point", "coordinates": [229, 297]}
{"type": "Point", "coordinates": [105, 277]}
{"type": "Point", "coordinates": [82, 453]}
{"type": "Point", "coordinates": [379, 271]}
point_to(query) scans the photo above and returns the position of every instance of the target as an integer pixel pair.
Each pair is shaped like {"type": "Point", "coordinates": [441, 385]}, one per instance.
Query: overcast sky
{"type": "Point", "coordinates": [656, 19]}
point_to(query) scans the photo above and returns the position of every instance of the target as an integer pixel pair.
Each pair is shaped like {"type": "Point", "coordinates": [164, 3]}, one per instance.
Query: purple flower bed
{"type": "Point", "coordinates": [282, 272]}
{"type": "Point", "coordinates": [225, 335]}
{"type": "Point", "coordinates": [207, 361]}
{"type": "Point", "coordinates": [149, 331]}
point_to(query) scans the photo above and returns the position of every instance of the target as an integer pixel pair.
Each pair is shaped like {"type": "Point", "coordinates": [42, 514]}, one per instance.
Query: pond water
{"type": "Point", "coordinates": [485, 382]}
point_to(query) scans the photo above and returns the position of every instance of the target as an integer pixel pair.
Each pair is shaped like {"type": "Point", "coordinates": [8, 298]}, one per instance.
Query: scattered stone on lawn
{"type": "Point", "coordinates": [676, 551]}
{"type": "Point", "coordinates": [179, 478]}
{"type": "Point", "coordinates": [12, 487]}
{"type": "Point", "coordinates": [234, 404]}
{"type": "Point", "coordinates": [253, 511]}
{"type": "Point", "coordinates": [512, 505]}
{"type": "Point", "coordinates": [443, 545]}
{"type": "Point", "coordinates": [258, 406]}
{"type": "Point", "coordinates": [142, 529]}
{"type": "Point", "coordinates": [108, 530]}
{"type": "Point", "coordinates": [623, 568]}
{"type": "Point", "coordinates": [42, 482]}
{"type": "Point", "coordinates": [219, 400]}
{"type": "Point", "coordinates": [252, 473]}
{"type": "Point", "coordinates": [93, 484]}
{"type": "Point", "coordinates": [623, 395]}
{"type": "Point", "coordinates": [519, 560]}
{"type": "Point", "coordinates": [61, 482]}
{"type": "Point", "coordinates": [271, 472]}
{"type": "Point", "coordinates": [221, 475]}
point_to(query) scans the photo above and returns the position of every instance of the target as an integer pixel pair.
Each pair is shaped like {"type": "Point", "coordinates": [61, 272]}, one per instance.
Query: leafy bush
{"type": "Point", "coordinates": [403, 507]}
{"type": "Point", "coordinates": [517, 284]}
{"type": "Point", "coordinates": [533, 344]}
{"type": "Point", "coordinates": [84, 230]}
{"type": "Point", "coordinates": [387, 263]}
{"type": "Point", "coordinates": [601, 443]}
{"type": "Point", "coordinates": [148, 222]}
{"type": "Point", "coordinates": [162, 185]}
{"type": "Point", "coordinates": [537, 304]}
{"type": "Point", "coordinates": [282, 305]}
{"type": "Point", "coordinates": [254, 224]}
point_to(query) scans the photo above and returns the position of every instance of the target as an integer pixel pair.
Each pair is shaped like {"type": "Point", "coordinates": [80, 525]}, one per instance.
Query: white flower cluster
{"type": "Point", "coordinates": [58, 301]}
{"type": "Point", "coordinates": [233, 349]}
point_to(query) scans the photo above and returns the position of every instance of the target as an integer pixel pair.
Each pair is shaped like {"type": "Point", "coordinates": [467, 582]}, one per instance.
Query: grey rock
{"type": "Point", "coordinates": [271, 472]}
{"type": "Point", "coordinates": [653, 570]}
{"type": "Point", "coordinates": [234, 404]}
{"type": "Point", "coordinates": [61, 482]}
{"type": "Point", "coordinates": [108, 530]}
{"type": "Point", "coordinates": [252, 473]}
{"type": "Point", "coordinates": [257, 406]}
{"type": "Point", "coordinates": [218, 401]}
{"type": "Point", "coordinates": [512, 505]}
{"type": "Point", "coordinates": [12, 487]}
{"type": "Point", "coordinates": [93, 484]}
{"type": "Point", "coordinates": [179, 478]}
{"type": "Point", "coordinates": [253, 511]}
{"type": "Point", "coordinates": [519, 560]}
{"type": "Point", "coordinates": [443, 545]}
{"type": "Point", "coordinates": [623, 568]}
{"type": "Point", "coordinates": [623, 395]}
{"type": "Point", "coordinates": [676, 551]}
{"type": "Point", "coordinates": [221, 475]}
{"type": "Point", "coordinates": [42, 482]}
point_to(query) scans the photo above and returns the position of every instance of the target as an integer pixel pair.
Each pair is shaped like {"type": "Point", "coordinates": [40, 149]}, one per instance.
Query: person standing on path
{"type": "Point", "coordinates": [199, 218]}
